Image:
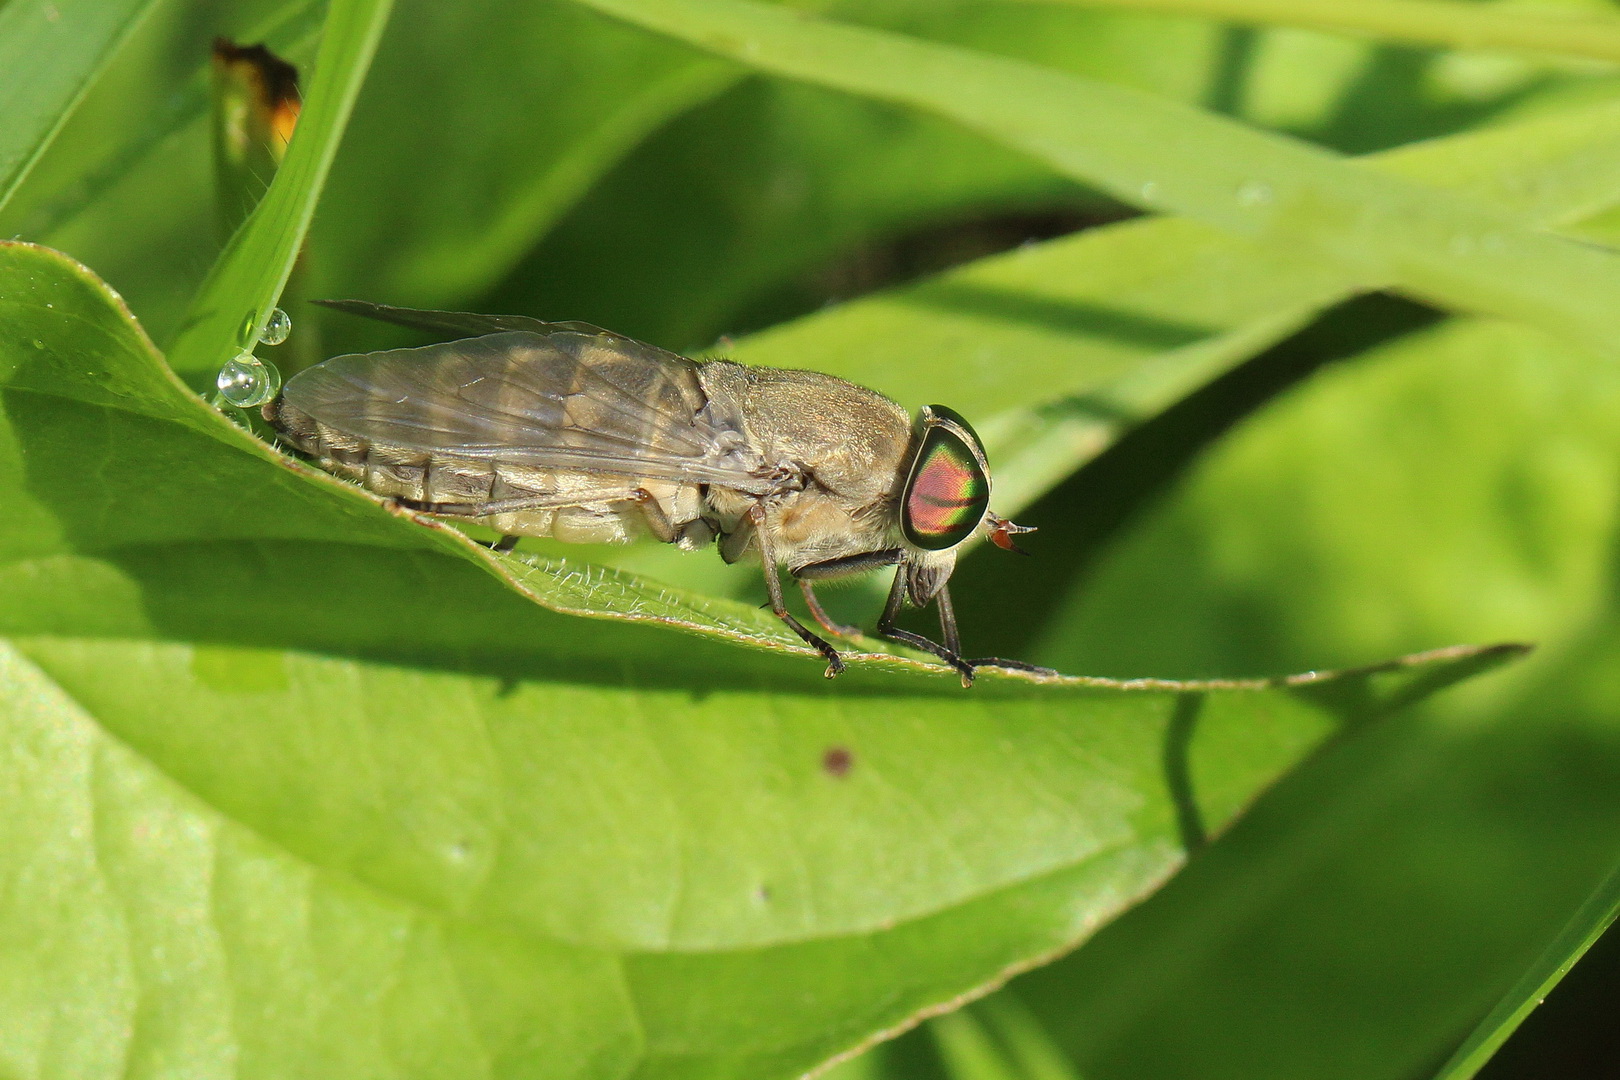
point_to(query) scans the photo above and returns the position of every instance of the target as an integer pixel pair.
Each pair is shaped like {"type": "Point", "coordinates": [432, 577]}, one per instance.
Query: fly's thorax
{"type": "Point", "coordinates": [807, 526]}
{"type": "Point", "coordinates": [850, 441]}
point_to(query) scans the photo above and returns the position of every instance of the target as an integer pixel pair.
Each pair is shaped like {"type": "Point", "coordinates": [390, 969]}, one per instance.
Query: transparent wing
{"type": "Point", "coordinates": [469, 324]}
{"type": "Point", "coordinates": [562, 398]}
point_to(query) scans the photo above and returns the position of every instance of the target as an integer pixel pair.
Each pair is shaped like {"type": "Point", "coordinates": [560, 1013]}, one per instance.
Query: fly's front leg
{"type": "Point", "coordinates": [834, 568]}
{"type": "Point", "coordinates": [949, 653]}
{"type": "Point", "coordinates": [947, 626]}
{"type": "Point", "coordinates": [773, 588]}
{"type": "Point", "coordinates": [947, 620]}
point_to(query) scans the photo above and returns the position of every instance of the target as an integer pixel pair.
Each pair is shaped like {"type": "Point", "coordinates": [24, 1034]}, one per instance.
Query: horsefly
{"type": "Point", "coordinates": [565, 430]}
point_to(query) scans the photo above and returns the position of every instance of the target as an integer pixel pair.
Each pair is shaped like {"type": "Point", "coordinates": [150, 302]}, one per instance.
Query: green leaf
{"type": "Point", "coordinates": [1451, 23]}
{"type": "Point", "coordinates": [1062, 347]}
{"type": "Point", "coordinates": [445, 183]}
{"type": "Point", "coordinates": [129, 184]}
{"type": "Point", "coordinates": [49, 55]}
{"type": "Point", "coordinates": [1452, 483]}
{"type": "Point", "coordinates": [406, 813]}
{"type": "Point", "coordinates": [843, 176]}
{"type": "Point", "coordinates": [1125, 305]}
{"type": "Point", "coordinates": [859, 188]}
{"type": "Point", "coordinates": [1580, 934]}
{"type": "Point", "coordinates": [1161, 155]}
{"type": "Point", "coordinates": [230, 311]}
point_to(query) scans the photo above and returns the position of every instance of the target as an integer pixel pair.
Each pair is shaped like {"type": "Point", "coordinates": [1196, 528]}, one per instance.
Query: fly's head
{"type": "Point", "coordinates": [946, 500]}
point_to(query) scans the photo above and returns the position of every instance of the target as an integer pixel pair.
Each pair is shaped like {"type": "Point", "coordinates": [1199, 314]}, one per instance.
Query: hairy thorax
{"type": "Point", "coordinates": [845, 445]}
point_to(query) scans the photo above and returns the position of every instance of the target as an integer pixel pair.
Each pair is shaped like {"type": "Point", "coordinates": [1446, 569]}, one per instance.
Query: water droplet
{"type": "Point", "coordinates": [1150, 190]}
{"type": "Point", "coordinates": [276, 328]}
{"type": "Point", "coordinates": [38, 344]}
{"type": "Point", "coordinates": [246, 381]}
{"type": "Point", "coordinates": [244, 333]}
{"type": "Point", "coordinates": [1254, 193]}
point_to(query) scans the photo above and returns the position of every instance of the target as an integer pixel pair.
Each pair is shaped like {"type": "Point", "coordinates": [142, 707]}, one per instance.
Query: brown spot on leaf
{"type": "Point", "coordinates": [837, 761]}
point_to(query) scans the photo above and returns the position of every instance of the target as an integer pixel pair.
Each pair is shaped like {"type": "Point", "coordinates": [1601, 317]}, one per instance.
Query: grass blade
{"type": "Point", "coordinates": [49, 56]}
{"type": "Point", "coordinates": [230, 310]}
{"type": "Point", "coordinates": [1578, 935]}
{"type": "Point", "coordinates": [1382, 231]}
{"type": "Point", "coordinates": [1447, 23]}
{"type": "Point", "coordinates": [1087, 320]}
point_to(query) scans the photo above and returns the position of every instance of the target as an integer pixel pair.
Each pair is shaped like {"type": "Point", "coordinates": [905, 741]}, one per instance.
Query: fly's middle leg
{"type": "Point", "coordinates": [773, 588]}
{"type": "Point", "coordinates": [819, 613]}
{"type": "Point", "coordinates": [836, 568]}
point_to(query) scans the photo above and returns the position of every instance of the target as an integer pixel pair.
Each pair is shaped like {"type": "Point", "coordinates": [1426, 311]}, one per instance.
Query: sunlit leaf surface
{"type": "Point", "coordinates": [375, 775]}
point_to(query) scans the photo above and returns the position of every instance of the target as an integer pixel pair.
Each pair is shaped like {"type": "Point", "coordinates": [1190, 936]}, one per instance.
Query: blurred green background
{"type": "Point", "coordinates": [1386, 477]}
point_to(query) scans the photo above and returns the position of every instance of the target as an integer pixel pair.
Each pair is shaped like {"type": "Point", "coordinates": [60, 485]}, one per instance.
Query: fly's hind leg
{"type": "Point", "coordinates": [652, 511]}
{"type": "Point", "coordinates": [488, 508]}
{"type": "Point", "coordinates": [658, 522]}
{"type": "Point", "coordinates": [836, 568]}
{"type": "Point", "coordinates": [773, 588]}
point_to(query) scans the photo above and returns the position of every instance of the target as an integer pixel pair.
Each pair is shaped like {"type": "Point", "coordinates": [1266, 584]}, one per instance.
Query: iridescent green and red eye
{"type": "Point", "coordinates": [948, 489]}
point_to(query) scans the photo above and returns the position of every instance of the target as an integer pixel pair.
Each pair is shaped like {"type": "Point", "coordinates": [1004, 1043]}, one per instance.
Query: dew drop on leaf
{"type": "Point", "coordinates": [276, 328]}
{"type": "Point", "coordinates": [246, 381]}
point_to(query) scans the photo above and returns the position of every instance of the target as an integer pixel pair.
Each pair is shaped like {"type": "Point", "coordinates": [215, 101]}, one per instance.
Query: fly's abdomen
{"type": "Point", "coordinates": [397, 472]}
{"type": "Point", "coordinates": [576, 434]}
{"type": "Point", "coordinates": [571, 506]}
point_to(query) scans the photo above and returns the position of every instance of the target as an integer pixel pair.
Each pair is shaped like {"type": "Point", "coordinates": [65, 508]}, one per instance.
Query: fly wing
{"type": "Point", "coordinates": [469, 324]}
{"type": "Point", "coordinates": [562, 399]}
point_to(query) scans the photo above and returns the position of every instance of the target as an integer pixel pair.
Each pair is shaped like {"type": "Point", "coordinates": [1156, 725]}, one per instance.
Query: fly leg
{"type": "Point", "coordinates": [833, 568]}
{"type": "Point", "coordinates": [773, 588]}
{"type": "Point", "coordinates": [489, 508]}
{"type": "Point", "coordinates": [652, 512]}
{"type": "Point", "coordinates": [950, 652]}
{"type": "Point", "coordinates": [947, 629]}
{"type": "Point", "coordinates": [1013, 665]}
{"type": "Point", "coordinates": [505, 543]}
{"type": "Point", "coordinates": [819, 613]}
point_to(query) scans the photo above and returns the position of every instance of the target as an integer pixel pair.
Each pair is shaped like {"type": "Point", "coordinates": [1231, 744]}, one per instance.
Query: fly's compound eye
{"type": "Point", "coordinates": [948, 489]}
